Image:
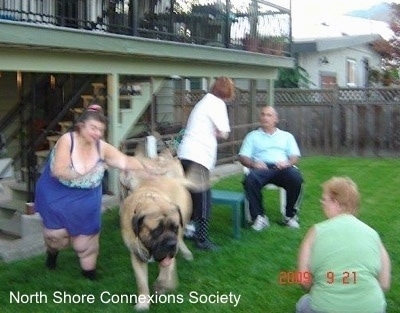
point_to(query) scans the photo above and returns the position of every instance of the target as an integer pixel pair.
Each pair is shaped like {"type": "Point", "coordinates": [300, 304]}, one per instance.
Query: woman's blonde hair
{"type": "Point", "coordinates": [223, 88]}
{"type": "Point", "coordinates": [344, 191]}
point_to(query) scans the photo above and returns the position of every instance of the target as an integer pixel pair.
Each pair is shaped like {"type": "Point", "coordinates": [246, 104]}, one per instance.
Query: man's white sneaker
{"type": "Point", "coordinates": [292, 222]}
{"type": "Point", "coordinates": [260, 223]}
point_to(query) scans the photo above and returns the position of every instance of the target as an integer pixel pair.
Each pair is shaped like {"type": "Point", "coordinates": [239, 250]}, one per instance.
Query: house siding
{"type": "Point", "coordinates": [311, 62]}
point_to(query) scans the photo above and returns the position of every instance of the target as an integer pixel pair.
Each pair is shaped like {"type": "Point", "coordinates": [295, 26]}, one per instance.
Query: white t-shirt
{"type": "Point", "coordinates": [199, 143]}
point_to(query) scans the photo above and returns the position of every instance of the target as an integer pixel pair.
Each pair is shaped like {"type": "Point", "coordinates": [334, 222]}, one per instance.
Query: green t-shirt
{"type": "Point", "coordinates": [345, 263]}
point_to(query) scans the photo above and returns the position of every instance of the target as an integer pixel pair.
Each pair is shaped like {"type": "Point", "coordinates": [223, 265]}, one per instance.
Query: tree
{"type": "Point", "coordinates": [390, 50]}
{"type": "Point", "coordinates": [395, 27]}
{"type": "Point", "coordinates": [296, 77]}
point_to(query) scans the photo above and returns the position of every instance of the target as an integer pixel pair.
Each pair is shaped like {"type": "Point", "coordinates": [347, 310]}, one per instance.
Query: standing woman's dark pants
{"type": "Point", "coordinates": [201, 200]}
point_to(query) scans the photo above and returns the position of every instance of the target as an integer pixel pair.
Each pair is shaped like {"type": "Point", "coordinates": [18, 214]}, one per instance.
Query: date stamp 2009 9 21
{"type": "Point", "coordinates": [299, 277]}
{"type": "Point", "coordinates": [294, 277]}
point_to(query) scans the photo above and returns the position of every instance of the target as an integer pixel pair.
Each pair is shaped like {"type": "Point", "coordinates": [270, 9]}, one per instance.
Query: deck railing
{"type": "Point", "coordinates": [252, 25]}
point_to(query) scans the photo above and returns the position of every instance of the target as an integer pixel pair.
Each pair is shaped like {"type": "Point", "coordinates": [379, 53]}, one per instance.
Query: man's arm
{"type": "Point", "coordinates": [246, 161]}
{"type": "Point", "coordinates": [251, 163]}
{"type": "Point", "coordinates": [293, 160]}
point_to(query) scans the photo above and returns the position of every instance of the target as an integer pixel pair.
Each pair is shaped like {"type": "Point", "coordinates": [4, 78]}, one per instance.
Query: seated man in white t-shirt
{"type": "Point", "coordinates": [270, 155]}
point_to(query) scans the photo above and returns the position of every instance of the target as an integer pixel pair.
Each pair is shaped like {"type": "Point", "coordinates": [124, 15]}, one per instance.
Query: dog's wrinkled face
{"type": "Point", "coordinates": [157, 226]}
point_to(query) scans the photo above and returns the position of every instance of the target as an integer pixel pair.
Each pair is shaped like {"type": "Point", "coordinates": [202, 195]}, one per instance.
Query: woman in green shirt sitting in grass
{"type": "Point", "coordinates": [345, 263]}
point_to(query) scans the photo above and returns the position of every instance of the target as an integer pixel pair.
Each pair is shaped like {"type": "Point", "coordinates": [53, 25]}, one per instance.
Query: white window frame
{"type": "Point", "coordinates": [351, 72]}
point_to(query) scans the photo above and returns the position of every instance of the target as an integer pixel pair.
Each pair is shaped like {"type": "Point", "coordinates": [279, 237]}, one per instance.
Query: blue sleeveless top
{"type": "Point", "coordinates": [74, 205]}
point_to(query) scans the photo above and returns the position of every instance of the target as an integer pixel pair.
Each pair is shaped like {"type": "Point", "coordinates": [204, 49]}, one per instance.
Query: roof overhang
{"type": "Point", "coordinates": [332, 43]}
{"type": "Point", "coordinates": [70, 45]}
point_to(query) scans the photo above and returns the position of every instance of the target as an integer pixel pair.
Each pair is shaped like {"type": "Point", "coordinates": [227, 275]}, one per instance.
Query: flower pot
{"type": "Point", "coordinates": [251, 44]}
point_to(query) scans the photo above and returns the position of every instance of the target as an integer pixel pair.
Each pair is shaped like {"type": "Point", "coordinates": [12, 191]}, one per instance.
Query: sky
{"type": "Point", "coordinates": [307, 16]}
{"type": "Point", "coordinates": [311, 8]}
{"type": "Point", "coordinates": [319, 18]}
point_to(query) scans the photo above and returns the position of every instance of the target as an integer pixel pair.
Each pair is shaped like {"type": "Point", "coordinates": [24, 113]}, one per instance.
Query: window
{"type": "Point", "coordinates": [351, 73]}
{"type": "Point", "coordinates": [328, 81]}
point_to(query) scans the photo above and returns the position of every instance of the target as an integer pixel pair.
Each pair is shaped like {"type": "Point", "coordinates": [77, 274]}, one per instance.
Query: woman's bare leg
{"type": "Point", "coordinates": [55, 240]}
{"type": "Point", "coordinates": [87, 249]}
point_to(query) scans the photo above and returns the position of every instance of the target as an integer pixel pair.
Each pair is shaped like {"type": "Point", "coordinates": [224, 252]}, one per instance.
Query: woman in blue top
{"type": "Point", "coordinates": [69, 192]}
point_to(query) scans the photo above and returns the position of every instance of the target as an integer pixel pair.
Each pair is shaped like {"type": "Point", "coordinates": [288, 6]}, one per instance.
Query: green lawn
{"type": "Point", "coordinates": [249, 268]}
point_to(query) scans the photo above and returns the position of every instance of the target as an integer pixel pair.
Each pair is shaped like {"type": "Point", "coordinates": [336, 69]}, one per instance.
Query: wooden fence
{"type": "Point", "coordinates": [344, 129]}
{"type": "Point", "coordinates": [348, 122]}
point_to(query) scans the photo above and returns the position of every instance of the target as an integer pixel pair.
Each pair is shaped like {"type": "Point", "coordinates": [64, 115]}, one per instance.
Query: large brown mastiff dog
{"type": "Point", "coordinates": [153, 216]}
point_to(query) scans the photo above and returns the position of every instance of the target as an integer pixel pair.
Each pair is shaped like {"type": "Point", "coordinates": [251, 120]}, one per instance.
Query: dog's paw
{"type": "Point", "coordinates": [187, 255]}
{"type": "Point", "coordinates": [164, 286]}
{"type": "Point", "coordinates": [142, 305]}
{"type": "Point", "coordinates": [159, 288]}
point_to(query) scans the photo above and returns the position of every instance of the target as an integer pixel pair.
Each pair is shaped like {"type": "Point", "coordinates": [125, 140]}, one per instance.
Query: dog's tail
{"type": "Point", "coordinates": [194, 182]}
{"type": "Point", "coordinates": [197, 180]}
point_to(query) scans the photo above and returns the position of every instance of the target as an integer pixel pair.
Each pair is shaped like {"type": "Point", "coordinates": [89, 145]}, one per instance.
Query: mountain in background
{"type": "Point", "coordinates": [380, 12]}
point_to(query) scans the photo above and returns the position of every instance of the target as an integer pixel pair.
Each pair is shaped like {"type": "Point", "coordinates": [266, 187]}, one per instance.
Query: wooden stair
{"type": "Point", "coordinates": [52, 140]}
{"type": "Point", "coordinates": [65, 126]}
{"type": "Point", "coordinates": [10, 217]}
{"type": "Point", "coordinates": [20, 234]}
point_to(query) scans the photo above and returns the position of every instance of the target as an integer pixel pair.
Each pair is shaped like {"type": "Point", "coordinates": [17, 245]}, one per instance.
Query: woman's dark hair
{"type": "Point", "coordinates": [92, 112]}
{"type": "Point", "coordinates": [223, 88]}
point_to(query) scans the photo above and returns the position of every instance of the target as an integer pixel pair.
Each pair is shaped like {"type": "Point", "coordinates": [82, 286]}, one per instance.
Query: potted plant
{"type": "Point", "coordinates": [251, 43]}
{"type": "Point", "coordinates": [272, 45]}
